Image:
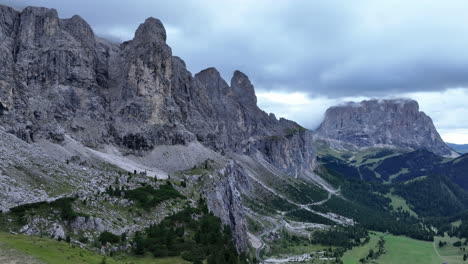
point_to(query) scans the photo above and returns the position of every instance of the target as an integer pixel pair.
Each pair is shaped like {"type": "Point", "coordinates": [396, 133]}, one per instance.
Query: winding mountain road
{"type": "Point", "coordinates": [281, 223]}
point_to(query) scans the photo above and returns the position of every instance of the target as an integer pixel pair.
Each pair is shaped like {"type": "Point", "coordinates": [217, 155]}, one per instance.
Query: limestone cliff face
{"type": "Point", "coordinates": [382, 122]}
{"type": "Point", "coordinates": [59, 80]}
{"type": "Point", "coordinates": [292, 153]}
{"type": "Point", "coordinates": [224, 198]}
{"type": "Point", "coordinates": [50, 75]}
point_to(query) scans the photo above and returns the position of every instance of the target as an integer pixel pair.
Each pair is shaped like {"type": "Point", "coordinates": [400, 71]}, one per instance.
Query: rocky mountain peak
{"type": "Point", "coordinates": [37, 24]}
{"type": "Point", "coordinates": [396, 122]}
{"type": "Point", "coordinates": [7, 19]}
{"type": "Point", "coordinates": [147, 69]}
{"type": "Point", "coordinates": [39, 12]}
{"type": "Point", "coordinates": [211, 71]}
{"type": "Point", "coordinates": [151, 30]}
{"type": "Point", "coordinates": [80, 30]}
{"type": "Point", "coordinates": [214, 83]}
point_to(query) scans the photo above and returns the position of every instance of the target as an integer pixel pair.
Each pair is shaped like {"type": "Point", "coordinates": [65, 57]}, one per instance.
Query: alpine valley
{"type": "Point", "coordinates": [116, 153]}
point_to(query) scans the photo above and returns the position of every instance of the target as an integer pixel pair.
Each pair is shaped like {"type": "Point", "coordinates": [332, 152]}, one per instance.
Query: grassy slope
{"type": "Point", "coordinates": [407, 250]}
{"type": "Point", "coordinates": [400, 249]}
{"type": "Point", "coordinates": [362, 158]}
{"type": "Point", "coordinates": [394, 176]}
{"type": "Point", "coordinates": [353, 256]}
{"type": "Point", "coordinates": [10, 256]}
{"type": "Point", "coordinates": [54, 252]}
{"type": "Point", "coordinates": [449, 253]}
{"type": "Point", "coordinates": [295, 249]}
{"type": "Point", "coordinates": [398, 201]}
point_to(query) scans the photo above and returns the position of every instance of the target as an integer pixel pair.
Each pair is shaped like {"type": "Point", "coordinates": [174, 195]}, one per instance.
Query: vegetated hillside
{"type": "Point", "coordinates": [456, 170]}
{"type": "Point", "coordinates": [394, 165]}
{"type": "Point", "coordinates": [434, 196]}
{"type": "Point", "coordinates": [362, 165]}
{"type": "Point", "coordinates": [386, 207]}
{"type": "Point", "coordinates": [433, 200]}
{"type": "Point", "coordinates": [194, 234]}
{"type": "Point", "coordinates": [368, 205]}
{"type": "Point", "coordinates": [422, 163]}
{"type": "Point", "coordinates": [408, 166]}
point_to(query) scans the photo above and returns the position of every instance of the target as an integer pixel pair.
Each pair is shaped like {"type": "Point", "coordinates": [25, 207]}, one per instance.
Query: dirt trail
{"type": "Point", "coordinates": [435, 249]}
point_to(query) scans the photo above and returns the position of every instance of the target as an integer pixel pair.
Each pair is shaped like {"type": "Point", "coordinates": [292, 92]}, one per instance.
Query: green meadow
{"type": "Point", "coordinates": [398, 201]}
{"type": "Point", "coordinates": [49, 251]}
{"type": "Point", "coordinates": [404, 250]}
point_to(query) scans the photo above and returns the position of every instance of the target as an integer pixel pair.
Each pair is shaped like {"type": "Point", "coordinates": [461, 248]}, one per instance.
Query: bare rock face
{"type": "Point", "coordinates": [50, 74]}
{"type": "Point", "coordinates": [370, 123]}
{"type": "Point", "coordinates": [7, 83]}
{"type": "Point", "coordinates": [224, 199]}
{"type": "Point", "coordinates": [87, 223]}
{"type": "Point", "coordinates": [293, 153]}
{"type": "Point", "coordinates": [233, 113]}
{"type": "Point", "coordinates": [60, 79]}
{"type": "Point", "coordinates": [146, 73]}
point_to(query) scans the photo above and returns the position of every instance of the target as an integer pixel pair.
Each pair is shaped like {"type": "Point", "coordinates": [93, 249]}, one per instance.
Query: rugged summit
{"type": "Point", "coordinates": [370, 123]}
{"type": "Point", "coordinates": [69, 94]}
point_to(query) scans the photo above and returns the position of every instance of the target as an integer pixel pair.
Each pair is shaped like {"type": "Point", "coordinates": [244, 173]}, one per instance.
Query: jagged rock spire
{"type": "Point", "coordinates": [213, 81]}
{"type": "Point", "coordinates": [80, 30]}
{"type": "Point", "coordinates": [242, 86]}
{"type": "Point", "coordinates": [151, 30]}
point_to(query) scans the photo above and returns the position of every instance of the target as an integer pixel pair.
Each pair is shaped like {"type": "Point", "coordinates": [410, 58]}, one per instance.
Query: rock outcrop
{"type": "Point", "coordinates": [224, 198]}
{"type": "Point", "coordinates": [397, 123]}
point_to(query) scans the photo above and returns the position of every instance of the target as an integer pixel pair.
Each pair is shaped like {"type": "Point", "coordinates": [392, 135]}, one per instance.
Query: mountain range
{"type": "Point", "coordinates": [102, 140]}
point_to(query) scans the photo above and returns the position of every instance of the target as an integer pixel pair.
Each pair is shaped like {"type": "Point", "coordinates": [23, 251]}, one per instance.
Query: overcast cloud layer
{"type": "Point", "coordinates": [304, 56]}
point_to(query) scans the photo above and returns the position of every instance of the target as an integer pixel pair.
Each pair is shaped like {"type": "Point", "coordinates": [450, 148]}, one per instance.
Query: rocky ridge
{"type": "Point", "coordinates": [60, 79]}
{"type": "Point", "coordinates": [66, 93]}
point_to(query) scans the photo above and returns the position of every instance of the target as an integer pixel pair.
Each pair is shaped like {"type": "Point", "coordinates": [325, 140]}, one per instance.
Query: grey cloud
{"type": "Point", "coordinates": [331, 48]}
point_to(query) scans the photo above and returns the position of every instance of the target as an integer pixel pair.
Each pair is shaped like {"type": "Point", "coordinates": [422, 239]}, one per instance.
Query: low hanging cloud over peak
{"type": "Point", "coordinates": [326, 51]}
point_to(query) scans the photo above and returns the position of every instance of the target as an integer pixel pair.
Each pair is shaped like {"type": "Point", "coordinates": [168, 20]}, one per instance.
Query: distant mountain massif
{"type": "Point", "coordinates": [393, 123]}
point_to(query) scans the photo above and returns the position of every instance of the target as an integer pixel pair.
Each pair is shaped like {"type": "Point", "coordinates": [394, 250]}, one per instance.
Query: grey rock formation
{"type": "Point", "coordinates": [59, 82]}
{"type": "Point", "coordinates": [38, 226]}
{"type": "Point", "coordinates": [292, 153]}
{"type": "Point", "coordinates": [224, 198]}
{"type": "Point", "coordinates": [370, 123]}
{"type": "Point", "coordinates": [87, 223]}
{"type": "Point", "coordinates": [60, 79]}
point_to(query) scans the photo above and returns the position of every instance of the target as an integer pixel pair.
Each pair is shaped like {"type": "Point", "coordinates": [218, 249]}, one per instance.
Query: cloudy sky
{"type": "Point", "coordinates": [304, 56]}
